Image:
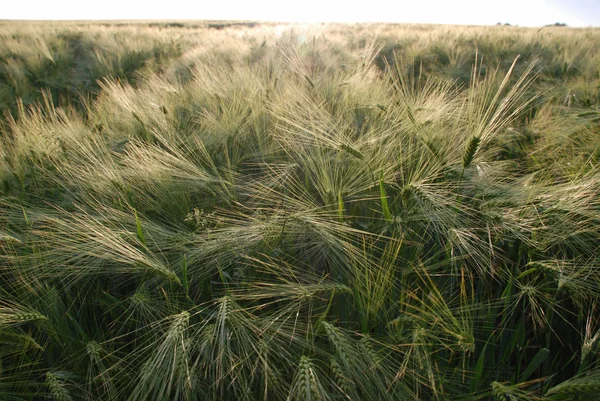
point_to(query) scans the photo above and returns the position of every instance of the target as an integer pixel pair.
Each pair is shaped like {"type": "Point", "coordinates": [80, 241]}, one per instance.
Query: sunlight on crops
{"type": "Point", "coordinates": [245, 211]}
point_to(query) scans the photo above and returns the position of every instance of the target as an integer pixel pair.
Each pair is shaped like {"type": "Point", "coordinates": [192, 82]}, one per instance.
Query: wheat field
{"type": "Point", "coordinates": [256, 211]}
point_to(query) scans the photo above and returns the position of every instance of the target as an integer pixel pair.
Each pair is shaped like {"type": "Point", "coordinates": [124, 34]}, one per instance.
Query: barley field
{"type": "Point", "coordinates": [233, 211]}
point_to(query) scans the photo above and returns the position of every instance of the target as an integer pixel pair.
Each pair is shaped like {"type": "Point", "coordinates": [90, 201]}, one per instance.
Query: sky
{"type": "Point", "coordinates": [577, 13]}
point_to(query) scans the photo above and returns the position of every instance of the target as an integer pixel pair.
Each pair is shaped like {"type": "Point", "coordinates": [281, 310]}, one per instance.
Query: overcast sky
{"type": "Point", "coordinates": [477, 12]}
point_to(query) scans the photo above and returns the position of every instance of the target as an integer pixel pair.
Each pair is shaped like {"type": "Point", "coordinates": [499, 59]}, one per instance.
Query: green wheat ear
{"type": "Point", "coordinates": [340, 207]}
{"type": "Point", "coordinates": [472, 148]}
{"type": "Point", "coordinates": [57, 387]}
{"type": "Point", "coordinates": [307, 385]}
{"type": "Point", "coordinates": [578, 386]}
{"type": "Point", "coordinates": [353, 151]}
{"type": "Point", "coordinates": [15, 315]}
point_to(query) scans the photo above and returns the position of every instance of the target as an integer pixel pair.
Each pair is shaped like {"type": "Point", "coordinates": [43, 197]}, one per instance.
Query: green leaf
{"type": "Point", "coordinates": [138, 227]}
{"type": "Point", "coordinates": [527, 272]}
{"type": "Point", "coordinates": [478, 371]}
{"type": "Point", "coordinates": [184, 280]}
{"type": "Point", "coordinates": [535, 363]}
{"type": "Point", "coordinates": [384, 201]}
